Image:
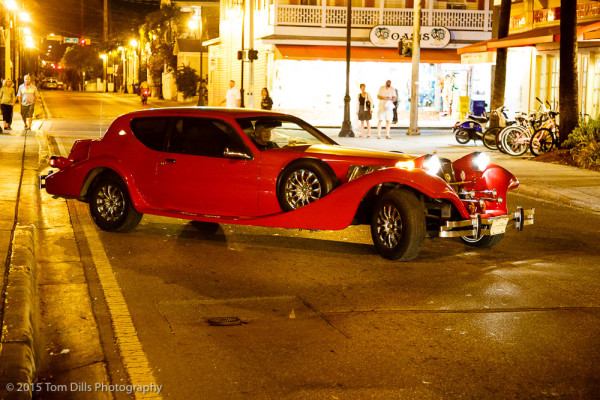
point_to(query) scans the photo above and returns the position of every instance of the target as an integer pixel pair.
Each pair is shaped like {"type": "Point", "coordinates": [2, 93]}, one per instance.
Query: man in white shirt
{"type": "Point", "coordinates": [233, 96]}
{"type": "Point", "coordinates": [385, 111]}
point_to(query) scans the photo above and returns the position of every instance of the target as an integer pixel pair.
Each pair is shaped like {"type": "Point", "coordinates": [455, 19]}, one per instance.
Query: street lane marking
{"type": "Point", "coordinates": [133, 356]}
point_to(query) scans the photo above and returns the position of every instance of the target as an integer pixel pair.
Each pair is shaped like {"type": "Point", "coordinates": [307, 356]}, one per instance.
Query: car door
{"type": "Point", "coordinates": [196, 176]}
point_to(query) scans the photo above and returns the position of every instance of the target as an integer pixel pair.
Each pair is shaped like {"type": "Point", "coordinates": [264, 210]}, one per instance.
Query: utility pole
{"type": "Point", "coordinates": [105, 17]}
{"type": "Point", "coordinates": [346, 130]}
{"type": "Point", "coordinates": [416, 60]}
{"type": "Point", "coordinates": [251, 47]}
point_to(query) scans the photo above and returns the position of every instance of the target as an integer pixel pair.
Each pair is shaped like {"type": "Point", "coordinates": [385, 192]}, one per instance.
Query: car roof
{"type": "Point", "coordinates": [203, 111]}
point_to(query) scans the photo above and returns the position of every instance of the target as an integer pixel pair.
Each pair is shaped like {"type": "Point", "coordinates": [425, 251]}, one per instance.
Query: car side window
{"type": "Point", "coordinates": [150, 132]}
{"type": "Point", "coordinates": [203, 137]}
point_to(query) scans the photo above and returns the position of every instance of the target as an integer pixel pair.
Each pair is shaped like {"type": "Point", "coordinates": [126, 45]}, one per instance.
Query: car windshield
{"type": "Point", "coordinates": [284, 131]}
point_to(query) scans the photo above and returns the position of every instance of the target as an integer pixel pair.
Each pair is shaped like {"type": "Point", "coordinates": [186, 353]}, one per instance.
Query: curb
{"type": "Point", "coordinates": [19, 358]}
{"type": "Point", "coordinates": [19, 340]}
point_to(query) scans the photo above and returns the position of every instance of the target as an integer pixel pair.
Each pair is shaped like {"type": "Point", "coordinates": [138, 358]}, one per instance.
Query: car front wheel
{"type": "Point", "coordinates": [398, 225]}
{"type": "Point", "coordinates": [302, 183]}
{"type": "Point", "coordinates": [110, 205]}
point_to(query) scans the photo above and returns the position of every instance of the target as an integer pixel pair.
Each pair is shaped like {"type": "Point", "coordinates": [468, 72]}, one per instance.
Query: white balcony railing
{"type": "Point", "coordinates": [326, 16]}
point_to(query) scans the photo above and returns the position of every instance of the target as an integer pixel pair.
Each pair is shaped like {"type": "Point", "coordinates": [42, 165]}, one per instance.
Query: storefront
{"type": "Point", "coordinates": [310, 82]}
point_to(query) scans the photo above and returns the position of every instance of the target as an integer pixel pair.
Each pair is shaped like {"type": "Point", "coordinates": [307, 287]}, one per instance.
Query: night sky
{"type": "Point", "coordinates": [69, 19]}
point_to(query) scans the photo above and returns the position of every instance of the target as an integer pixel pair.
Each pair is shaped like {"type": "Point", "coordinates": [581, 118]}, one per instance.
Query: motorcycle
{"type": "Point", "coordinates": [473, 127]}
{"type": "Point", "coordinates": [144, 95]}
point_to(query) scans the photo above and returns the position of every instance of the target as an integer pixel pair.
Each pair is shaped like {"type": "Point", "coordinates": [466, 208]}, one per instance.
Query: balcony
{"type": "Point", "coordinates": [366, 17]}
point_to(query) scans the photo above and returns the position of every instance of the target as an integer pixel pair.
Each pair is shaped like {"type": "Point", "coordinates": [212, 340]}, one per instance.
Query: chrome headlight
{"type": "Point", "coordinates": [480, 161]}
{"type": "Point", "coordinates": [432, 164]}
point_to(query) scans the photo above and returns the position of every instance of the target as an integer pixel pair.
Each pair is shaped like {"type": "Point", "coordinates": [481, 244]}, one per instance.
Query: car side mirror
{"type": "Point", "coordinates": [236, 154]}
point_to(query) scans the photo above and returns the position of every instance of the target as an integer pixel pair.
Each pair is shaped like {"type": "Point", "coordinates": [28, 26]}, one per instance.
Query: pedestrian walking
{"type": "Point", "coordinates": [27, 95]}
{"type": "Point", "coordinates": [7, 102]}
{"type": "Point", "coordinates": [385, 110]}
{"type": "Point", "coordinates": [233, 97]}
{"type": "Point", "coordinates": [396, 103]}
{"type": "Point", "coordinates": [266, 103]}
{"type": "Point", "coordinates": [364, 110]}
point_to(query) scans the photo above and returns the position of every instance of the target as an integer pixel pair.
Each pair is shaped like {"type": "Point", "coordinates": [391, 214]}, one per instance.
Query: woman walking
{"type": "Point", "coordinates": [7, 101]}
{"type": "Point", "coordinates": [364, 111]}
{"type": "Point", "coordinates": [266, 103]}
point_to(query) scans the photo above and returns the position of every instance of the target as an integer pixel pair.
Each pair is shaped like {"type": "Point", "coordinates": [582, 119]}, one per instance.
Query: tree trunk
{"type": "Point", "coordinates": [500, 70]}
{"type": "Point", "coordinates": [568, 90]}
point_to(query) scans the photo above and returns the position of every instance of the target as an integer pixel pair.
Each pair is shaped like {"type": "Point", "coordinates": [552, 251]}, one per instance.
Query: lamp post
{"type": "Point", "coordinates": [104, 57]}
{"type": "Point", "coordinates": [196, 23]}
{"type": "Point", "coordinates": [416, 59]}
{"type": "Point", "coordinates": [346, 130]}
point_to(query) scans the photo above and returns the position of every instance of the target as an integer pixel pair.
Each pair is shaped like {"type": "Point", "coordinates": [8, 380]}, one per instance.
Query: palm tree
{"type": "Point", "coordinates": [500, 72]}
{"type": "Point", "coordinates": [568, 91]}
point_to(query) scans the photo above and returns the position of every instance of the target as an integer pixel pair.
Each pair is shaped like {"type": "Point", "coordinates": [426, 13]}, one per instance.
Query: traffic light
{"type": "Point", "coordinates": [82, 41]}
{"type": "Point", "coordinates": [252, 54]}
{"type": "Point", "coordinates": [241, 54]}
{"type": "Point", "coordinates": [405, 47]}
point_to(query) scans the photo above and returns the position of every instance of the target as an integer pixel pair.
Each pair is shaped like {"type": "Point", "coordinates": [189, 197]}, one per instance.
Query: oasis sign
{"type": "Point", "coordinates": [389, 35]}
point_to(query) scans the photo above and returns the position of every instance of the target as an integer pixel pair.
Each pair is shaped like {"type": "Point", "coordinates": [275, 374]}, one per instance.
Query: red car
{"type": "Point", "coordinates": [249, 167]}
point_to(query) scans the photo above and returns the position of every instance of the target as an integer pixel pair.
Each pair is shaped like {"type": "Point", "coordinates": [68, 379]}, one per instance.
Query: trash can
{"type": "Point", "coordinates": [478, 107]}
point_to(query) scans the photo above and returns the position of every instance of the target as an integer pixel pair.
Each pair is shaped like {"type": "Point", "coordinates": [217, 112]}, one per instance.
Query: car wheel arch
{"type": "Point", "coordinates": [320, 168]}
{"type": "Point", "coordinates": [98, 173]}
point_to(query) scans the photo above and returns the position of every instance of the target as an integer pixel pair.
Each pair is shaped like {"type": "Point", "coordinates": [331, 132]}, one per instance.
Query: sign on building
{"type": "Point", "coordinates": [389, 35]}
{"type": "Point", "coordinates": [71, 40]}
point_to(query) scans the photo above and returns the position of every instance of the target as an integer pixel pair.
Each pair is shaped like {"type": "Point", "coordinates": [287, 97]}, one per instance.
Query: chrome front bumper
{"type": "Point", "coordinates": [478, 226]}
{"type": "Point", "coordinates": [42, 179]}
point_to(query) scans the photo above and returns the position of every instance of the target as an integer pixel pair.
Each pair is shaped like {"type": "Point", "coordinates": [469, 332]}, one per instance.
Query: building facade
{"type": "Point", "coordinates": [301, 48]}
{"type": "Point", "coordinates": [533, 62]}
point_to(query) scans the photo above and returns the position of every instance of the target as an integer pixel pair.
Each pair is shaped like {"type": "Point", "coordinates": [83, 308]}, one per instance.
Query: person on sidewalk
{"type": "Point", "coordinates": [364, 110]}
{"type": "Point", "coordinates": [232, 98]}
{"type": "Point", "coordinates": [28, 95]}
{"type": "Point", "coordinates": [386, 96]}
{"type": "Point", "coordinates": [7, 102]}
{"type": "Point", "coordinates": [267, 102]}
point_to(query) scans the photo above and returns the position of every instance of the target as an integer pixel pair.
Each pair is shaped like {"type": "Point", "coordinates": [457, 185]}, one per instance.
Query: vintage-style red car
{"type": "Point", "coordinates": [249, 167]}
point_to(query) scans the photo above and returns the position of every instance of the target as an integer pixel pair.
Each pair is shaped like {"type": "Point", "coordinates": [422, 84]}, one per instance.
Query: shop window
{"type": "Point", "coordinates": [596, 90]}
{"type": "Point", "coordinates": [584, 82]}
{"type": "Point", "coordinates": [554, 80]}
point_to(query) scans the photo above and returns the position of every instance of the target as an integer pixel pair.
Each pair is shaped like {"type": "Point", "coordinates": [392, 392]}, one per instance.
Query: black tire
{"type": "Point", "coordinates": [490, 137]}
{"type": "Point", "coordinates": [111, 206]}
{"type": "Point", "coordinates": [398, 225]}
{"type": "Point", "coordinates": [462, 136]}
{"type": "Point", "coordinates": [542, 142]}
{"type": "Point", "coordinates": [208, 228]}
{"type": "Point", "coordinates": [483, 242]}
{"type": "Point", "coordinates": [302, 183]}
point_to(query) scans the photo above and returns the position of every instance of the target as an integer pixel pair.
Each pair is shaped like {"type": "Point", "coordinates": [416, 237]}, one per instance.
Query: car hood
{"type": "Point", "coordinates": [343, 151]}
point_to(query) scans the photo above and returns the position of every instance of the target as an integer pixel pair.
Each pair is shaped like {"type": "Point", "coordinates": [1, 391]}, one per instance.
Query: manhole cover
{"type": "Point", "coordinates": [224, 321]}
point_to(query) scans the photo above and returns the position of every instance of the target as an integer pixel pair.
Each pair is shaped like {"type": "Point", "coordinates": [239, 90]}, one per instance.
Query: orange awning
{"type": "Point", "coordinates": [338, 53]}
{"type": "Point", "coordinates": [549, 34]}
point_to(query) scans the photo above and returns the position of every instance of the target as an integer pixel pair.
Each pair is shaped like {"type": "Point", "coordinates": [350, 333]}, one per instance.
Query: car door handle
{"type": "Point", "coordinates": [168, 160]}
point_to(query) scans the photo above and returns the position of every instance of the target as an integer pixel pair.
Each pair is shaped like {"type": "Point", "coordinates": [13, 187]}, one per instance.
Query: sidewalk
{"type": "Point", "coordinates": [21, 157]}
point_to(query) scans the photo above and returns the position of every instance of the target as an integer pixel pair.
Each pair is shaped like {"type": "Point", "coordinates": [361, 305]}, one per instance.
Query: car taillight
{"type": "Point", "coordinates": [59, 162]}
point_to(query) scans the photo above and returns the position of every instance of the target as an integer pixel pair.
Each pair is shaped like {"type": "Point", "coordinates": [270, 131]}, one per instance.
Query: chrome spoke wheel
{"type": "Point", "coordinates": [389, 226]}
{"type": "Point", "coordinates": [110, 203]}
{"type": "Point", "coordinates": [301, 188]}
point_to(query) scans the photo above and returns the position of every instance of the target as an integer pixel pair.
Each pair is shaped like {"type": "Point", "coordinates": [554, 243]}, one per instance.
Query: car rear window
{"type": "Point", "coordinates": [150, 131]}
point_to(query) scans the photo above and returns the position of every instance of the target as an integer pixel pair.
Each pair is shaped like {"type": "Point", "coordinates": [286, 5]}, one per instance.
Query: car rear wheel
{"type": "Point", "coordinates": [483, 242]}
{"type": "Point", "coordinates": [303, 183]}
{"type": "Point", "coordinates": [110, 205]}
{"type": "Point", "coordinates": [398, 225]}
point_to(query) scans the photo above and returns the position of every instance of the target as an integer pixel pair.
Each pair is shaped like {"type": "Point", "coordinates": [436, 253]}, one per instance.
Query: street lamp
{"type": "Point", "coordinates": [346, 130]}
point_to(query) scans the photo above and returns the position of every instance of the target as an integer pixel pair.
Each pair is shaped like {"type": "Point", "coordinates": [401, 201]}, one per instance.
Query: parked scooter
{"type": "Point", "coordinates": [473, 127]}
{"type": "Point", "coordinates": [145, 93]}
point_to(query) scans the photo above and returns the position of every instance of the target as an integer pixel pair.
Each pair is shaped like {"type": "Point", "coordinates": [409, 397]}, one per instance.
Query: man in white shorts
{"type": "Point", "coordinates": [385, 111]}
